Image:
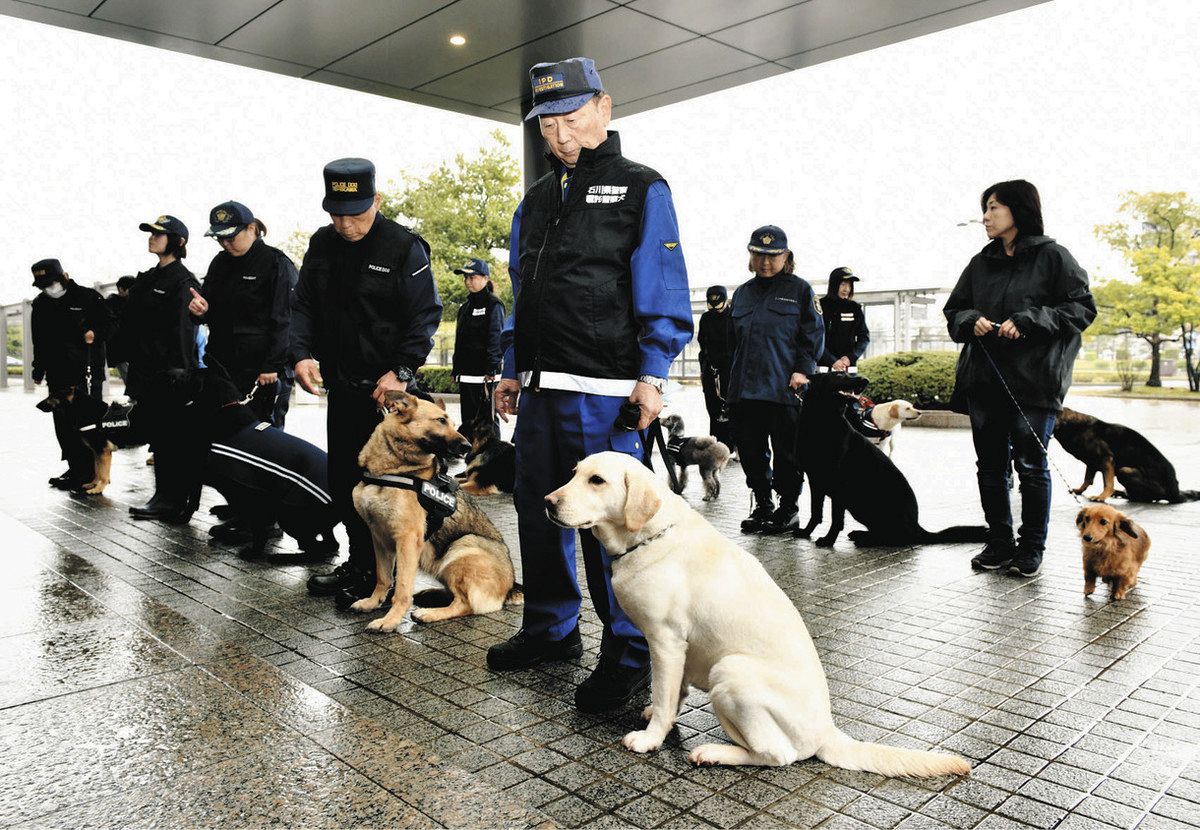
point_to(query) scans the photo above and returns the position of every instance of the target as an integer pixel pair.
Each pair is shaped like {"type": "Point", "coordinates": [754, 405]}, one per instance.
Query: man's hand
{"type": "Point", "coordinates": [388, 383]}
{"type": "Point", "coordinates": [650, 400]}
{"type": "Point", "coordinates": [198, 307]}
{"type": "Point", "coordinates": [89, 337]}
{"type": "Point", "coordinates": [841, 364]}
{"type": "Point", "coordinates": [267, 378]}
{"type": "Point", "coordinates": [508, 391]}
{"type": "Point", "coordinates": [797, 380]}
{"type": "Point", "coordinates": [1008, 330]}
{"type": "Point", "coordinates": [308, 375]}
{"type": "Point", "coordinates": [983, 326]}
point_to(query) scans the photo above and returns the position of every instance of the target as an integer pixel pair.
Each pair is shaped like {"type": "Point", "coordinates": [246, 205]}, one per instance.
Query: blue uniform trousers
{"type": "Point", "coordinates": [555, 430]}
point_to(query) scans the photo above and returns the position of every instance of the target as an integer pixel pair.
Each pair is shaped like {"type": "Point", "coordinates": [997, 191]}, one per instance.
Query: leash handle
{"type": "Point", "coordinates": [656, 434]}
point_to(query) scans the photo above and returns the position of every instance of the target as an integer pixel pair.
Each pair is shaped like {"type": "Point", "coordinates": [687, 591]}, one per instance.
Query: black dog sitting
{"type": "Point", "coordinates": [491, 461]}
{"type": "Point", "coordinates": [857, 476]}
{"type": "Point", "coordinates": [265, 474]}
{"type": "Point", "coordinates": [705, 451]}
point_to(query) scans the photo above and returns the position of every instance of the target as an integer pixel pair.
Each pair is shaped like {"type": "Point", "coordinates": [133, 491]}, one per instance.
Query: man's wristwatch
{"type": "Point", "coordinates": [403, 374]}
{"type": "Point", "coordinates": [650, 380]}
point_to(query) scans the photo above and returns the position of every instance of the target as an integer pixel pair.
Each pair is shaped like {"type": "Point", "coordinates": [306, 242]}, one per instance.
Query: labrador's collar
{"type": "Point", "coordinates": [645, 541]}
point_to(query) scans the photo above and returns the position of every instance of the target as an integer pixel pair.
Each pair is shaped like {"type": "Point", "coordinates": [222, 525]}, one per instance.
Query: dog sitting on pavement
{"type": "Point", "coordinates": [491, 461]}
{"type": "Point", "coordinates": [1114, 548]}
{"type": "Point", "coordinates": [705, 451]}
{"type": "Point", "coordinates": [714, 619]}
{"type": "Point", "coordinates": [402, 488]}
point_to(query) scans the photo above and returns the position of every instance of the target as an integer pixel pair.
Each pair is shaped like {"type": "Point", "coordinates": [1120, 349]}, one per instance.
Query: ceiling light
{"type": "Point", "coordinates": [457, 40]}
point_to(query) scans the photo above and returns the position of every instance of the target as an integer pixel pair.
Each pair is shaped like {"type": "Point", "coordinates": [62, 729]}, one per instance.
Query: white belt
{"type": "Point", "coordinates": [613, 387]}
{"type": "Point", "coordinates": [472, 379]}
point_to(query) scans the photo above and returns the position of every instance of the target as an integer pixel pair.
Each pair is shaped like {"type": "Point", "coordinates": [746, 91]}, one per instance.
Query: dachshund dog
{"type": "Point", "coordinates": [1114, 548]}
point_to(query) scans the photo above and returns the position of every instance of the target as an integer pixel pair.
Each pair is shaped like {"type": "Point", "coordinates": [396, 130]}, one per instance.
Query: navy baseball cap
{"type": "Point", "coordinates": [563, 87]}
{"type": "Point", "coordinates": [165, 224]}
{"type": "Point", "coordinates": [769, 239]}
{"type": "Point", "coordinates": [227, 219]}
{"type": "Point", "coordinates": [717, 294]}
{"type": "Point", "coordinates": [843, 273]}
{"type": "Point", "coordinates": [349, 187]}
{"type": "Point", "coordinates": [45, 272]}
{"type": "Point", "coordinates": [474, 267]}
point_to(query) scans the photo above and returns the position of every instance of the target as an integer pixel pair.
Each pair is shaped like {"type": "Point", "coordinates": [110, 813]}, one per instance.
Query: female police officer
{"type": "Point", "coordinates": [477, 355]}
{"type": "Point", "coordinates": [777, 336]}
{"type": "Point", "coordinates": [158, 334]}
{"type": "Point", "coordinates": [246, 302]}
{"type": "Point", "coordinates": [846, 333]}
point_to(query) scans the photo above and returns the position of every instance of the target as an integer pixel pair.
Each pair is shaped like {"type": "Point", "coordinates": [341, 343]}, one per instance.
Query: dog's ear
{"type": "Point", "coordinates": [400, 403]}
{"type": "Point", "coordinates": [1081, 517]}
{"type": "Point", "coordinates": [441, 402]}
{"type": "Point", "coordinates": [1126, 524]}
{"type": "Point", "coordinates": [641, 502]}
{"type": "Point", "coordinates": [894, 411]}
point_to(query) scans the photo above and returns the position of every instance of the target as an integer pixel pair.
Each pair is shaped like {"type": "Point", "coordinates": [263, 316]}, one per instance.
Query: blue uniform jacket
{"type": "Point", "coordinates": [777, 329]}
{"type": "Point", "coordinates": [665, 313]}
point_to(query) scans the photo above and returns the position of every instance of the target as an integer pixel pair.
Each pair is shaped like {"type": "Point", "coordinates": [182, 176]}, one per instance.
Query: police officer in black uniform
{"type": "Point", "coordinates": [846, 333]}
{"type": "Point", "coordinates": [477, 355]}
{"type": "Point", "coordinates": [116, 307]}
{"type": "Point", "coordinates": [246, 301]}
{"type": "Point", "coordinates": [158, 334]}
{"type": "Point", "coordinates": [715, 354]}
{"type": "Point", "coordinates": [70, 324]}
{"type": "Point", "coordinates": [366, 308]}
{"type": "Point", "coordinates": [777, 337]}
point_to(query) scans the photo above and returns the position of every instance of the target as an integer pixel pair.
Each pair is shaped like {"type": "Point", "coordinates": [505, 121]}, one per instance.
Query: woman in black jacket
{"type": "Point", "coordinates": [158, 334]}
{"type": "Point", "coordinates": [1019, 308]}
{"type": "Point", "coordinates": [477, 355]}
{"type": "Point", "coordinates": [846, 333]}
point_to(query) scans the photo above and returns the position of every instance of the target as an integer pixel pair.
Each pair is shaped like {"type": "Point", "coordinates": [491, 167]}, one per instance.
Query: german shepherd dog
{"type": "Point", "coordinates": [857, 476]}
{"type": "Point", "coordinates": [102, 428]}
{"type": "Point", "coordinates": [491, 462]}
{"type": "Point", "coordinates": [1121, 454]}
{"type": "Point", "coordinates": [467, 553]}
{"type": "Point", "coordinates": [705, 451]}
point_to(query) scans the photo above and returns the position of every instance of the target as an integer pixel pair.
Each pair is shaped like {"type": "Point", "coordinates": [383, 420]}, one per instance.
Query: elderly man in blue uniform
{"type": "Point", "coordinates": [366, 309]}
{"type": "Point", "coordinates": [601, 308]}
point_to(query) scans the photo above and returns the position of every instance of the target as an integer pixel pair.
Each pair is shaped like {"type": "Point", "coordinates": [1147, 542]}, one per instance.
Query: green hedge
{"type": "Point", "coordinates": [924, 378]}
{"type": "Point", "coordinates": [437, 379]}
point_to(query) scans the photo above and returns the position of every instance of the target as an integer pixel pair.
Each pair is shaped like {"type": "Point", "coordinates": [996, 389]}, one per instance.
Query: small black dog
{"type": "Point", "coordinates": [491, 461]}
{"type": "Point", "coordinates": [102, 427]}
{"type": "Point", "coordinates": [706, 452]}
{"type": "Point", "coordinates": [857, 476]}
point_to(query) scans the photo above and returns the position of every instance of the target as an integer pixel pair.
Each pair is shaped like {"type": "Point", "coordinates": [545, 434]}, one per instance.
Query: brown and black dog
{"type": "Point", "coordinates": [467, 553]}
{"type": "Point", "coordinates": [101, 428]}
{"type": "Point", "coordinates": [1122, 455]}
{"type": "Point", "coordinates": [1114, 548]}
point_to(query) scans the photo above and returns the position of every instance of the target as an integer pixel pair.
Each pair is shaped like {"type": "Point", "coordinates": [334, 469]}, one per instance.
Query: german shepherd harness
{"type": "Point", "coordinates": [437, 496]}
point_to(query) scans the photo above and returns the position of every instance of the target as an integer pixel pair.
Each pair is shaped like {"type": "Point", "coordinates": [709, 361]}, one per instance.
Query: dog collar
{"type": "Point", "coordinates": [645, 541]}
{"type": "Point", "coordinates": [436, 496]}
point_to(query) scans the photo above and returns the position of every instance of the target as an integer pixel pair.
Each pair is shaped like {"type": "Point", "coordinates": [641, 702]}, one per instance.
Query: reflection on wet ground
{"type": "Point", "coordinates": [148, 679]}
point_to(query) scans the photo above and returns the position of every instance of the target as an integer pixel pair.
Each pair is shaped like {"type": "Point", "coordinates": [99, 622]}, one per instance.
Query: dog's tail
{"type": "Point", "coordinates": [1190, 495]}
{"type": "Point", "coordinates": [516, 596]}
{"type": "Point", "coordinates": [958, 533]}
{"type": "Point", "coordinates": [843, 751]}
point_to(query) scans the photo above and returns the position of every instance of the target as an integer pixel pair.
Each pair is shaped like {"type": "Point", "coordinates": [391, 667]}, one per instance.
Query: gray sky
{"type": "Point", "coordinates": [868, 161]}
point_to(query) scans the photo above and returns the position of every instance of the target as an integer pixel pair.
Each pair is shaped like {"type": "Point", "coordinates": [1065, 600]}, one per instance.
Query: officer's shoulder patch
{"type": "Point", "coordinates": [262, 425]}
{"type": "Point", "coordinates": [670, 246]}
{"type": "Point", "coordinates": [817, 305]}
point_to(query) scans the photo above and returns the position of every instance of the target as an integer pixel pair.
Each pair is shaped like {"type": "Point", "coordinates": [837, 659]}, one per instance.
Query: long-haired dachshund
{"type": "Point", "coordinates": [1114, 548]}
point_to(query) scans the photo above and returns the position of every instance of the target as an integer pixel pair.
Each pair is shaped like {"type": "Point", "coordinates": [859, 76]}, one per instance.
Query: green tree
{"type": "Point", "coordinates": [296, 245]}
{"type": "Point", "coordinates": [464, 210]}
{"type": "Point", "coordinates": [1159, 236]}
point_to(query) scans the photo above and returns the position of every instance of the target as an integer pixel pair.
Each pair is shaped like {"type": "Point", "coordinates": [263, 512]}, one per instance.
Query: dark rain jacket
{"type": "Point", "coordinates": [1045, 293]}
{"type": "Point", "coordinates": [157, 332]}
{"type": "Point", "coordinates": [713, 336]}
{"type": "Point", "coordinates": [777, 330]}
{"type": "Point", "coordinates": [58, 325]}
{"type": "Point", "coordinates": [846, 333]}
{"type": "Point", "coordinates": [477, 337]}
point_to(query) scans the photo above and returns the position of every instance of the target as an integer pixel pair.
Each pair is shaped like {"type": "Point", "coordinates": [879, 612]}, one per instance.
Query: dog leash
{"type": "Point", "coordinates": [1024, 418]}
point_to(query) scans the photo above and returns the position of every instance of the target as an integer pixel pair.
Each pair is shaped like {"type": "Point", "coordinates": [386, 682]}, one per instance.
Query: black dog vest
{"type": "Point", "coordinates": [437, 496]}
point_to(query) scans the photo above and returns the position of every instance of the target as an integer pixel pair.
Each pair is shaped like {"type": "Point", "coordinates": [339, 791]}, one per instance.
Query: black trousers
{"type": "Point", "coordinates": [473, 399]}
{"type": "Point", "coordinates": [351, 417]}
{"type": "Point", "coordinates": [283, 399]}
{"type": "Point", "coordinates": [714, 387]}
{"type": "Point", "coordinates": [766, 439]}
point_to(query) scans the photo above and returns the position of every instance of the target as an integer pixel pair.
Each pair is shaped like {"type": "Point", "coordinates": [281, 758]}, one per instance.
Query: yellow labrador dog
{"type": "Point", "coordinates": [716, 620]}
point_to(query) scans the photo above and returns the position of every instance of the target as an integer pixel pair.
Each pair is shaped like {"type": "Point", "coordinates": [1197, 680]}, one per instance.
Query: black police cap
{"type": "Point", "coordinates": [349, 186]}
{"type": "Point", "coordinates": [46, 272]}
{"type": "Point", "coordinates": [843, 273]}
{"type": "Point", "coordinates": [165, 224]}
{"type": "Point", "coordinates": [769, 239]}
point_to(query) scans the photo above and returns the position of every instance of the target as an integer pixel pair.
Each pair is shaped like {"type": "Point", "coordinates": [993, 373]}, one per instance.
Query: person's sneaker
{"type": "Point", "coordinates": [522, 651]}
{"type": "Point", "coordinates": [761, 514]}
{"type": "Point", "coordinates": [995, 555]}
{"type": "Point", "coordinates": [1026, 562]}
{"type": "Point", "coordinates": [345, 575]}
{"type": "Point", "coordinates": [786, 517]}
{"type": "Point", "coordinates": [611, 685]}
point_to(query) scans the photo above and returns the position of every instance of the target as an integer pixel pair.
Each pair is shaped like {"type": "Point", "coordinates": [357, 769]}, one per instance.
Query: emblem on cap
{"type": "Point", "coordinates": [344, 187]}
{"type": "Point", "coordinates": [222, 215]}
{"type": "Point", "coordinates": [766, 239]}
{"type": "Point", "coordinates": [161, 219]}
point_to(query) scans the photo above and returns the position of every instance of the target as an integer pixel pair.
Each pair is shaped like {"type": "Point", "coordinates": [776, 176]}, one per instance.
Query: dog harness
{"type": "Point", "coordinates": [116, 424]}
{"type": "Point", "coordinates": [437, 496]}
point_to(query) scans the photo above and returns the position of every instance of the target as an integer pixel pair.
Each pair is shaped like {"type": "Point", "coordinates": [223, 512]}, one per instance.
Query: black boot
{"type": "Point", "coordinates": [159, 504]}
{"type": "Point", "coordinates": [785, 518]}
{"type": "Point", "coordinates": [763, 509]}
{"type": "Point", "coordinates": [347, 575]}
{"type": "Point", "coordinates": [611, 685]}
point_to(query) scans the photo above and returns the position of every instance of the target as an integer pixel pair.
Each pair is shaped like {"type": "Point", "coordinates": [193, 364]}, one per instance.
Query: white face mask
{"type": "Point", "coordinates": [54, 290]}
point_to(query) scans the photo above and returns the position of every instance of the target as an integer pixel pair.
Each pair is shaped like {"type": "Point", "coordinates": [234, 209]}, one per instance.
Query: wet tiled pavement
{"type": "Point", "coordinates": [148, 679]}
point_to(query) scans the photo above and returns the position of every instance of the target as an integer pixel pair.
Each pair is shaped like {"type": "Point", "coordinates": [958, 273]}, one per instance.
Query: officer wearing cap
{"type": "Point", "coordinates": [246, 300]}
{"type": "Point", "coordinates": [477, 355]}
{"type": "Point", "coordinates": [70, 324]}
{"type": "Point", "coordinates": [713, 336]}
{"type": "Point", "coordinates": [365, 312]}
{"type": "Point", "coordinates": [777, 335]}
{"type": "Point", "coordinates": [846, 333]}
{"type": "Point", "coordinates": [601, 308]}
{"type": "Point", "coordinates": [158, 334]}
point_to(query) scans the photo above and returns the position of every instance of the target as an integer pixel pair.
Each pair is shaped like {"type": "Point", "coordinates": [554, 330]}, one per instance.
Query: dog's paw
{"type": "Point", "coordinates": [641, 741]}
{"type": "Point", "coordinates": [705, 756]}
{"type": "Point", "coordinates": [365, 605]}
{"type": "Point", "coordinates": [1100, 499]}
{"type": "Point", "coordinates": [647, 713]}
{"type": "Point", "coordinates": [381, 625]}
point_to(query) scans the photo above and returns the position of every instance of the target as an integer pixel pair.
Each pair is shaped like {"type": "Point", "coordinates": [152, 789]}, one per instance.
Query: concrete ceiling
{"type": "Point", "coordinates": [650, 52]}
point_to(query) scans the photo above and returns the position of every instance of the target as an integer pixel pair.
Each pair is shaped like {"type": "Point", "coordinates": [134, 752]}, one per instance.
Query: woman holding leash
{"type": "Point", "coordinates": [1019, 307]}
{"type": "Point", "coordinates": [477, 354]}
{"type": "Point", "coordinates": [776, 336]}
